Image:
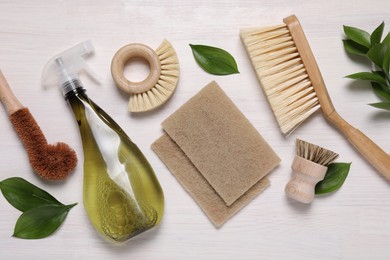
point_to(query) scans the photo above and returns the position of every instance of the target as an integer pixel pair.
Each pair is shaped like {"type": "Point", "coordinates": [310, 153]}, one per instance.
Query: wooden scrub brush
{"type": "Point", "coordinates": [309, 168]}
{"type": "Point", "coordinates": [293, 85]}
{"type": "Point", "coordinates": [161, 82]}
{"type": "Point", "coordinates": [51, 162]}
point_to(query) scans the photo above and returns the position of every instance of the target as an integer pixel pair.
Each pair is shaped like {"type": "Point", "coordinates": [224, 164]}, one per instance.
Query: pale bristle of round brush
{"type": "Point", "coordinates": [166, 84]}
{"type": "Point", "coordinates": [282, 75]}
{"type": "Point", "coordinates": [314, 153]}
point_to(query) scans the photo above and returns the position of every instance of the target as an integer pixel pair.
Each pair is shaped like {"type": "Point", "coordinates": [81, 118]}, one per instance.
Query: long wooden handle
{"type": "Point", "coordinates": [306, 174]}
{"type": "Point", "coordinates": [7, 97]}
{"type": "Point", "coordinates": [370, 150]}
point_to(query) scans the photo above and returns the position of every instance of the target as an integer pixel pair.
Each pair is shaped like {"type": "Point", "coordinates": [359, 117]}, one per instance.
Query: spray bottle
{"type": "Point", "coordinates": [121, 193]}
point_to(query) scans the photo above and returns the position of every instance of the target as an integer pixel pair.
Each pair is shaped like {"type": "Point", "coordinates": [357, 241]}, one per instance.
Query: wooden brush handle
{"type": "Point", "coordinates": [370, 150]}
{"type": "Point", "coordinates": [306, 174]}
{"type": "Point", "coordinates": [7, 97]}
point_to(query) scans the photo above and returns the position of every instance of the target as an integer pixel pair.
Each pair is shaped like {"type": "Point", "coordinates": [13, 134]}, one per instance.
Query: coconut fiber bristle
{"type": "Point", "coordinates": [314, 153]}
{"type": "Point", "coordinates": [52, 162]}
{"type": "Point", "coordinates": [165, 85]}
{"type": "Point", "coordinates": [282, 74]}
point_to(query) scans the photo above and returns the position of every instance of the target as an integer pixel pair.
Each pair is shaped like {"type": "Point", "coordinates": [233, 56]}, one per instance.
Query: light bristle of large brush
{"type": "Point", "coordinates": [166, 84]}
{"type": "Point", "coordinates": [282, 75]}
{"type": "Point", "coordinates": [314, 153]}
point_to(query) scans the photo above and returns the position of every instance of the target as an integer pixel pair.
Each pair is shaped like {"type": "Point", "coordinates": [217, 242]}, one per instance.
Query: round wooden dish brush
{"type": "Point", "coordinates": [51, 162]}
{"type": "Point", "coordinates": [309, 167]}
{"type": "Point", "coordinates": [161, 82]}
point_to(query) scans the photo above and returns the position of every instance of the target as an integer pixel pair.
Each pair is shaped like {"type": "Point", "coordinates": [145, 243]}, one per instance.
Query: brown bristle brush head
{"type": "Point", "coordinates": [51, 162]}
{"type": "Point", "coordinates": [309, 168]}
{"type": "Point", "coordinates": [314, 153]}
{"type": "Point", "coordinates": [294, 87]}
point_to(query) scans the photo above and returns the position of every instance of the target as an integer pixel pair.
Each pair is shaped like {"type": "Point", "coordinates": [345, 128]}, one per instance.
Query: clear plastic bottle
{"type": "Point", "coordinates": [121, 193]}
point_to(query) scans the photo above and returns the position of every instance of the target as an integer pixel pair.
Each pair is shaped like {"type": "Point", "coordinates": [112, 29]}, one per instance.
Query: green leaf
{"type": "Point", "coordinates": [214, 60]}
{"type": "Point", "coordinates": [376, 35]}
{"type": "Point", "coordinates": [334, 178]}
{"type": "Point", "coordinates": [386, 61]}
{"type": "Point", "coordinates": [355, 48]}
{"type": "Point", "coordinates": [358, 35]}
{"type": "Point", "coordinates": [376, 54]}
{"type": "Point", "coordinates": [386, 40]}
{"type": "Point", "coordinates": [382, 105]}
{"type": "Point", "coordinates": [41, 221]}
{"type": "Point", "coordinates": [24, 196]}
{"type": "Point", "coordinates": [381, 90]}
{"type": "Point", "coordinates": [371, 76]}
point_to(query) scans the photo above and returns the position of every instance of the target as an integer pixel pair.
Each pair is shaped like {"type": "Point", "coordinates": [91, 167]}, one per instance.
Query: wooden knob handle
{"type": "Point", "coordinates": [306, 174]}
{"type": "Point", "coordinates": [123, 56]}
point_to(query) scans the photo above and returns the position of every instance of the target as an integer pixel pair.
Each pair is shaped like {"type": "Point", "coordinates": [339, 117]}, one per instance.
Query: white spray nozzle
{"type": "Point", "coordinates": [64, 68]}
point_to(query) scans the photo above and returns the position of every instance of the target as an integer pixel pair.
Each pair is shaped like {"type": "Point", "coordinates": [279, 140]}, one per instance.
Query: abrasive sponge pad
{"type": "Point", "coordinates": [220, 141]}
{"type": "Point", "coordinates": [197, 186]}
{"type": "Point", "coordinates": [215, 153]}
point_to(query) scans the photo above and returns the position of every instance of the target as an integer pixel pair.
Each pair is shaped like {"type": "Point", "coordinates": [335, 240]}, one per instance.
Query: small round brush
{"type": "Point", "coordinates": [161, 82]}
{"type": "Point", "coordinates": [309, 168]}
{"type": "Point", "coordinates": [51, 162]}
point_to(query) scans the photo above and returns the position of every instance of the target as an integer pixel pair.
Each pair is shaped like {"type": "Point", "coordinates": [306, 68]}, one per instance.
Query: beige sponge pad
{"type": "Point", "coordinates": [221, 142]}
{"type": "Point", "coordinates": [197, 186]}
{"type": "Point", "coordinates": [215, 153]}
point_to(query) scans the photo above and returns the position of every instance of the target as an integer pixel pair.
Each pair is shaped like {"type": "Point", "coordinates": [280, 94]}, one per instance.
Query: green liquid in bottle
{"type": "Point", "coordinates": [122, 195]}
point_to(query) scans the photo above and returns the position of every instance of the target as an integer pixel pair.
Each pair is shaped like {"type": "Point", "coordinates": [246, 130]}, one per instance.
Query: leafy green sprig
{"type": "Point", "coordinates": [372, 47]}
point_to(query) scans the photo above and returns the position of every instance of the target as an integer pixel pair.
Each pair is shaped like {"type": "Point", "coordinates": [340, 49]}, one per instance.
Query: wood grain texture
{"type": "Point", "coordinates": [352, 223]}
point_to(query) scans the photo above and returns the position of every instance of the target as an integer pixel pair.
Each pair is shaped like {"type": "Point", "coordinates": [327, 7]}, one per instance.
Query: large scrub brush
{"type": "Point", "coordinates": [294, 87]}
{"type": "Point", "coordinates": [51, 162]}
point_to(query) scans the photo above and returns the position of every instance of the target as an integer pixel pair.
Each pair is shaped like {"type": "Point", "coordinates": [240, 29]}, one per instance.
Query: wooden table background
{"type": "Point", "coordinates": [353, 223]}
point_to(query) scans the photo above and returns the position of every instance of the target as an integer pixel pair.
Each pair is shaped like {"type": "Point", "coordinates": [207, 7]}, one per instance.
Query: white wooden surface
{"type": "Point", "coordinates": [353, 223]}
